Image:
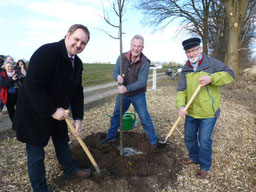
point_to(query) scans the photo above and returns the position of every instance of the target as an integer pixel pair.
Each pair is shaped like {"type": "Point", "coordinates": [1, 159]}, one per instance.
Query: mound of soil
{"type": "Point", "coordinates": [143, 171]}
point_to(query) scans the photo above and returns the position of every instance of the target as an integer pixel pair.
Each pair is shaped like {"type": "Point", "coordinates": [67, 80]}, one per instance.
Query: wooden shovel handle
{"type": "Point", "coordinates": [86, 150]}
{"type": "Point", "coordinates": [186, 108]}
{"type": "Point", "coordinates": [193, 97]}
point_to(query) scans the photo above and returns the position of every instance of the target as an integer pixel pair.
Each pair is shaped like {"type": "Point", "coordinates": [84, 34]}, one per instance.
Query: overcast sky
{"type": "Point", "coordinates": [25, 25]}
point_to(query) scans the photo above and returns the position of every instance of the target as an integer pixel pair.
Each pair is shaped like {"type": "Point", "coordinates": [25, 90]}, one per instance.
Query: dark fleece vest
{"type": "Point", "coordinates": [131, 72]}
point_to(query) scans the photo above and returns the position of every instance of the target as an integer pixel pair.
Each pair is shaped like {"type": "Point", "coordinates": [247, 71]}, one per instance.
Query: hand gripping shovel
{"type": "Point", "coordinates": [186, 108]}
{"type": "Point", "coordinates": [86, 150]}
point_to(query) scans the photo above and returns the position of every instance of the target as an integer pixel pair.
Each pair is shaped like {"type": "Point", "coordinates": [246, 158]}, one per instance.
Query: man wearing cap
{"type": "Point", "coordinates": [202, 114]}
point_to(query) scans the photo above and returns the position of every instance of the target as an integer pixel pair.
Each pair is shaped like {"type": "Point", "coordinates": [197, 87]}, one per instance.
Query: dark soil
{"type": "Point", "coordinates": [141, 172]}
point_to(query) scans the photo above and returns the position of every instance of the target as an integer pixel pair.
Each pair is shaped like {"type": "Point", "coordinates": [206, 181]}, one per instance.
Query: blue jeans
{"type": "Point", "coordinates": [140, 105]}
{"type": "Point", "coordinates": [198, 133]}
{"type": "Point", "coordinates": [35, 163]}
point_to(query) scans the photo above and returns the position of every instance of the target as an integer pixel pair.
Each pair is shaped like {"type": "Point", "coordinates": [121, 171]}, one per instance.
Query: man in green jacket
{"type": "Point", "coordinates": [202, 114]}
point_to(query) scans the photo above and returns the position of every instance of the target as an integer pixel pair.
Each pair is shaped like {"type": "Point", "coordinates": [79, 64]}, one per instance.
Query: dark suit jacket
{"type": "Point", "coordinates": [50, 83]}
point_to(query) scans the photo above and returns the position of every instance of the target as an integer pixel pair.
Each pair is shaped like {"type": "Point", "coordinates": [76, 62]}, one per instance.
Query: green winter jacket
{"type": "Point", "coordinates": [207, 102]}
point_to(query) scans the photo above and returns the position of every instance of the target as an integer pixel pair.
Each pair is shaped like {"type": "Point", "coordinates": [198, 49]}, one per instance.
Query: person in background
{"type": "Point", "coordinates": [53, 84]}
{"type": "Point", "coordinates": [202, 114]}
{"type": "Point", "coordinates": [10, 58]}
{"type": "Point", "coordinates": [1, 69]}
{"type": "Point", "coordinates": [10, 83]}
{"type": "Point", "coordinates": [1, 60]}
{"type": "Point", "coordinates": [21, 67]}
{"type": "Point", "coordinates": [132, 84]}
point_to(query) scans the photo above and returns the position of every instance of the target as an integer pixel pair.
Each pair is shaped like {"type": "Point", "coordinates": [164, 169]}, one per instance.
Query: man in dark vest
{"type": "Point", "coordinates": [53, 83]}
{"type": "Point", "coordinates": [132, 84]}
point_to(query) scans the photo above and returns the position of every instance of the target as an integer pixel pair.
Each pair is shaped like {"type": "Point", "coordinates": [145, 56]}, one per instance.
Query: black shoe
{"type": "Point", "coordinates": [106, 140]}
{"type": "Point", "coordinates": [158, 146]}
{"type": "Point", "coordinates": [81, 173]}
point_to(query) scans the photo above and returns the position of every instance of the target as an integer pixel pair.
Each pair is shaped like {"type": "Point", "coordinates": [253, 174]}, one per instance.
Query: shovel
{"type": "Point", "coordinates": [179, 119]}
{"type": "Point", "coordinates": [181, 135]}
{"type": "Point", "coordinates": [86, 150]}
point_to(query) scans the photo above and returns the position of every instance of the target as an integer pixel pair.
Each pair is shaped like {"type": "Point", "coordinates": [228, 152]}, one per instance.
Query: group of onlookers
{"type": "Point", "coordinates": [11, 78]}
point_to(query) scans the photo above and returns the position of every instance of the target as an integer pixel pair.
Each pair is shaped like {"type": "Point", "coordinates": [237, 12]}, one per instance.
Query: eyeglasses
{"type": "Point", "coordinates": [192, 51]}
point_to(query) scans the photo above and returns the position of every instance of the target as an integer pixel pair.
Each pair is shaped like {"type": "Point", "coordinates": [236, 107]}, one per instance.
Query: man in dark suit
{"type": "Point", "coordinates": [53, 84]}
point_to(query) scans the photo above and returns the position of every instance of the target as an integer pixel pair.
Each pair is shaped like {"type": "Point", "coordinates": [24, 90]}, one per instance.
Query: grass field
{"type": "Point", "coordinates": [95, 74]}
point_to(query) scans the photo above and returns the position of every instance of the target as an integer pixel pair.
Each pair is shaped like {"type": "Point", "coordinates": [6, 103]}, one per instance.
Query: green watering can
{"type": "Point", "coordinates": [129, 121]}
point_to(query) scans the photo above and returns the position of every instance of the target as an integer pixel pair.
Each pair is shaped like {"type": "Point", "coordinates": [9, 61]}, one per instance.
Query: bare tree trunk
{"type": "Point", "coordinates": [235, 10]}
{"type": "Point", "coordinates": [205, 34]}
{"type": "Point", "coordinates": [120, 5]}
{"type": "Point", "coordinates": [233, 46]}
{"type": "Point", "coordinates": [205, 43]}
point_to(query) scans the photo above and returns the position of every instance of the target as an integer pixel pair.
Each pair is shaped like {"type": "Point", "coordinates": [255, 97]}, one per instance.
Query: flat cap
{"type": "Point", "coordinates": [190, 43]}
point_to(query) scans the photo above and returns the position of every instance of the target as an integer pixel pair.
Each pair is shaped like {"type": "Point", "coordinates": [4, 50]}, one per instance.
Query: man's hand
{"type": "Point", "coordinates": [182, 112]}
{"type": "Point", "coordinates": [59, 114]}
{"type": "Point", "coordinates": [205, 80]}
{"type": "Point", "coordinates": [78, 125]}
{"type": "Point", "coordinates": [120, 79]}
{"type": "Point", "coordinates": [121, 89]}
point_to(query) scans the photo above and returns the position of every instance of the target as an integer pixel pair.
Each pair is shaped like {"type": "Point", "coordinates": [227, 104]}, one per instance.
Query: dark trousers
{"type": "Point", "coordinates": [11, 103]}
{"type": "Point", "coordinates": [1, 105]}
{"type": "Point", "coordinates": [35, 163]}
